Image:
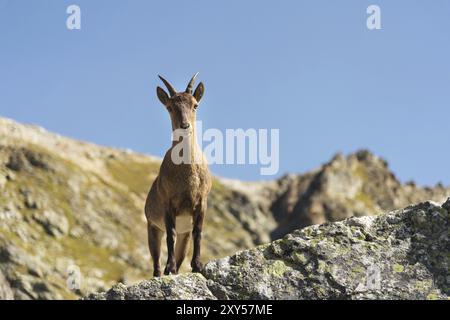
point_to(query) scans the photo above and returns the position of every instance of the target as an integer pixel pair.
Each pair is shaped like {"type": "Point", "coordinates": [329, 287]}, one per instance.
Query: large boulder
{"type": "Point", "coordinates": [403, 254]}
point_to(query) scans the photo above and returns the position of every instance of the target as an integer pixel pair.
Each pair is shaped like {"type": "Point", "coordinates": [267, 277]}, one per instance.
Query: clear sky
{"type": "Point", "coordinates": [310, 68]}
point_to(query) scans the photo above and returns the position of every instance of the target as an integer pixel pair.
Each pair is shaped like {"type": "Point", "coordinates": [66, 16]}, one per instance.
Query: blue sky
{"type": "Point", "coordinates": [310, 68]}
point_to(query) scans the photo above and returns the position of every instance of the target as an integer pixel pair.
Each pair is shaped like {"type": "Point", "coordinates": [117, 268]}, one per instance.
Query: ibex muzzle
{"type": "Point", "coordinates": [177, 201]}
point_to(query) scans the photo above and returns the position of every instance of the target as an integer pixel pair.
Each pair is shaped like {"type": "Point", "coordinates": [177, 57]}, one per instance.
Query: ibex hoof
{"type": "Point", "coordinates": [197, 267]}
{"type": "Point", "coordinates": [157, 273]}
{"type": "Point", "coordinates": [170, 270]}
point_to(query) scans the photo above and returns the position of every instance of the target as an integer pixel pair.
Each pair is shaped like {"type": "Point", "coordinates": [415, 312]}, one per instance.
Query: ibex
{"type": "Point", "coordinates": [176, 203]}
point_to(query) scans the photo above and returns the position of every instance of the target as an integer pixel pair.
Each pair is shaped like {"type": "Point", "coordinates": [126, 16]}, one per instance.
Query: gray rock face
{"type": "Point", "coordinates": [187, 286]}
{"type": "Point", "coordinates": [357, 185]}
{"type": "Point", "coordinates": [400, 255]}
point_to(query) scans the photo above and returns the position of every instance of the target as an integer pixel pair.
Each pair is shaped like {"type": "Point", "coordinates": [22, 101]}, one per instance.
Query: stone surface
{"type": "Point", "coordinates": [55, 224]}
{"type": "Point", "coordinates": [403, 254]}
{"type": "Point", "coordinates": [191, 286]}
{"type": "Point", "coordinates": [357, 185]}
{"type": "Point", "coordinates": [5, 289]}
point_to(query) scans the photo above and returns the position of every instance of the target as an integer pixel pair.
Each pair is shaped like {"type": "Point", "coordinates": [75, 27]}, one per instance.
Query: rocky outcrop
{"type": "Point", "coordinates": [357, 185]}
{"type": "Point", "coordinates": [403, 254]}
{"type": "Point", "coordinates": [189, 286]}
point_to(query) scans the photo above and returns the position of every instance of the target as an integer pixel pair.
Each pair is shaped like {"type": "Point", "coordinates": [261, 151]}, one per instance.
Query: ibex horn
{"type": "Point", "coordinates": [191, 84]}
{"type": "Point", "coordinates": [169, 86]}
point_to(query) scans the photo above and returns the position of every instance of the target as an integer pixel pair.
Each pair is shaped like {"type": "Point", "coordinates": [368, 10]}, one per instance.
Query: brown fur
{"type": "Point", "coordinates": [177, 201]}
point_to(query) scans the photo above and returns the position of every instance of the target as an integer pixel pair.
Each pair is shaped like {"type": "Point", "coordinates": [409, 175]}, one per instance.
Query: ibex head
{"type": "Point", "coordinates": [181, 105]}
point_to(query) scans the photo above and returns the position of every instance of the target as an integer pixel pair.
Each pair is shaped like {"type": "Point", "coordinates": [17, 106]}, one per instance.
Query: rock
{"type": "Point", "coordinates": [185, 286]}
{"type": "Point", "coordinates": [12, 257]}
{"type": "Point", "coordinates": [29, 201]}
{"type": "Point", "coordinates": [5, 289]}
{"type": "Point", "coordinates": [55, 224]}
{"type": "Point", "coordinates": [3, 180]}
{"type": "Point", "coordinates": [23, 158]}
{"type": "Point", "coordinates": [403, 254]}
{"type": "Point", "coordinates": [16, 162]}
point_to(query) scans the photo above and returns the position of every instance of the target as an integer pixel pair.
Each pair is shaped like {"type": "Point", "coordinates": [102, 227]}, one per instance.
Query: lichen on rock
{"type": "Point", "coordinates": [389, 256]}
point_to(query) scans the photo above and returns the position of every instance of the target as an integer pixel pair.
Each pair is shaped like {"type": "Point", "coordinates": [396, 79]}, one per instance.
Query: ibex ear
{"type": "Point", "coordinates": [162, 96]}
{"type": "Point", "coordinates": [198, 93]}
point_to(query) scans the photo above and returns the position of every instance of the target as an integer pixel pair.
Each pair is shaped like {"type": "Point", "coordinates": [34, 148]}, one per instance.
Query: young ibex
{"type": "Point", "coordinates": [176, 203]}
